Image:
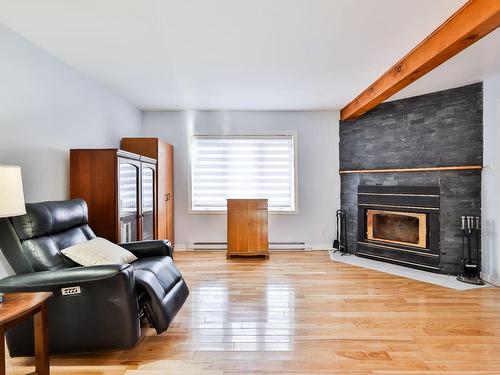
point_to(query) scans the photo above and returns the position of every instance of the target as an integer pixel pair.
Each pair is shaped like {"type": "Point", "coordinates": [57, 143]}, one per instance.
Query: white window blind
{"type": "Point", "coordinates": [225, 167]}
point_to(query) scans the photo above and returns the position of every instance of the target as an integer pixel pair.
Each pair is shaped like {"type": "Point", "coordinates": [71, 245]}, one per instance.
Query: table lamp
{"type": "Point", "coordinates": [11, 194]}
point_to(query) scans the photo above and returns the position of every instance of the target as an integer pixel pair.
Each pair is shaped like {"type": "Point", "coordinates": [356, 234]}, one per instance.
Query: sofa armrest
{"type": "Point", "coordinates": [146, 249]}
{"type": "Point", "coordinates": [56, 279]}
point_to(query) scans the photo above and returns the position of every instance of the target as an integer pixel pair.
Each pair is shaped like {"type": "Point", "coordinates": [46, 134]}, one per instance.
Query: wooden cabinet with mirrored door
{"type": "Point", "coordinates": [163, 152]}
{"type": "Point", "coordinates": [120, 190]}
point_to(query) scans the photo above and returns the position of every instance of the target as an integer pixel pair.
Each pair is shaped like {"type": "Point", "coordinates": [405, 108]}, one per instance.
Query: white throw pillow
{"type": "Point", "coordinates": [98, 251]}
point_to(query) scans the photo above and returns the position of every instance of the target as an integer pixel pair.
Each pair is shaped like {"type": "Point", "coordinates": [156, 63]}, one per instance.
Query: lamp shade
{"type": "Point", "coordinates": [11, 191]}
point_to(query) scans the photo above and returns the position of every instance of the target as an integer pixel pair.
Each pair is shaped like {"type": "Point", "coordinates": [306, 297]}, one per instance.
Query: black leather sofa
{"type": "Point", "coordinates": [112, 299]}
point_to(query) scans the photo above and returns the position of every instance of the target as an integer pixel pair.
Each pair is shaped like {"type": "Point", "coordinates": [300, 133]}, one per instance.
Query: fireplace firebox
{"type": "Point", "coordinates": [404, 228]}
{"type": "Point", "coordinates": [399, 224]}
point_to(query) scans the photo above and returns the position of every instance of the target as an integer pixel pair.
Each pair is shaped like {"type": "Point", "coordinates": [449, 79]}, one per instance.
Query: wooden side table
{"type": "Point", "coordinates": [17, 307]}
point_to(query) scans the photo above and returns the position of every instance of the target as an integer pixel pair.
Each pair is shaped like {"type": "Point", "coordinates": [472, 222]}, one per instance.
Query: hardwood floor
{"type": "Point", "coordinates": [302, 313]}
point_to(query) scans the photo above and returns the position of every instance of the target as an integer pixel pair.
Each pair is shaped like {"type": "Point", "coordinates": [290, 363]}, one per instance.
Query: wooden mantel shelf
{"type": "Point", "coordinates": [424, 169]}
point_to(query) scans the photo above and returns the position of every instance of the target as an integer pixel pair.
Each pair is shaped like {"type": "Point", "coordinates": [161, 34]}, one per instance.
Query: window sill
{"type": "Point", "coordinates": [224, 212]}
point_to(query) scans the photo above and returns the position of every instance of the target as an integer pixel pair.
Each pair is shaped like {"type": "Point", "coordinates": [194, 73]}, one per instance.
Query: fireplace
{"type": "Point", "coordinates": [403, 228]}
{"type": "Point", "coordinates": [399, 224]}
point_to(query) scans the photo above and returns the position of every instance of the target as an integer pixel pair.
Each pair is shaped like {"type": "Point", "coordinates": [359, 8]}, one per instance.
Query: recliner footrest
{"type": "Point", "coordinates": [166, 288]}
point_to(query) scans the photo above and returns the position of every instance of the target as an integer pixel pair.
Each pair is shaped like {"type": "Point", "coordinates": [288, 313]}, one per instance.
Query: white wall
{"type": "Point", "coordinates": [46, 108]}
{"type": "Point", "coordinates": [319, 182]}
{"type": "Point", "coordinates": [491, 181]}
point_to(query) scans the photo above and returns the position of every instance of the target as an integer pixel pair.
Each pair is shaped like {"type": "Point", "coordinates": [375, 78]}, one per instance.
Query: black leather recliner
{"type": "Point", "coordinates": [105, 312]}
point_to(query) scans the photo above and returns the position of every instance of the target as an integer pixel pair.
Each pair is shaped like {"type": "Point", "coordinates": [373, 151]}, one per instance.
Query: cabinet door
{"type": "Point", "coordinates": [128, 205]}
{"type": "Point", "coordinates": [257, 223]}
{"type": "Point", "coordinates": [148, 214]}
{"type": "Point", "coordinates": [237, 229]}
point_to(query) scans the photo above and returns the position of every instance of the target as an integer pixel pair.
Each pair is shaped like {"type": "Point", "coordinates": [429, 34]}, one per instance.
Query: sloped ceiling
{"type": "Point", "coordinates": [243, 54]}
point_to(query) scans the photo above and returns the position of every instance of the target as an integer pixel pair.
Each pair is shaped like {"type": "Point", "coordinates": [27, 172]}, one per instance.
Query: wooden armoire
{"type": "Point", "coordinates": [164, 153]}
{"type": "Point", "coordinates": [247, 233]}
{"type": "Point", "coordinates": [120, 190]}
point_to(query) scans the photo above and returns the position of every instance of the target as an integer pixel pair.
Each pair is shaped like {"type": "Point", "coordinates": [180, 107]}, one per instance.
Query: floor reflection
{"type": "Point", "coordinates": [243, 317]}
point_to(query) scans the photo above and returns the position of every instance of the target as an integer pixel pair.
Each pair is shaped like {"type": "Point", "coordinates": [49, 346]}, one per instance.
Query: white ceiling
{"type": "Point", "coordinates": [243, 54]}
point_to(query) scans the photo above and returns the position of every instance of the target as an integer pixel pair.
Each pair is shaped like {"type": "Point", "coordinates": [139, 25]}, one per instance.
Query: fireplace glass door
{"type": "Point", "coordinates": [404, 228]}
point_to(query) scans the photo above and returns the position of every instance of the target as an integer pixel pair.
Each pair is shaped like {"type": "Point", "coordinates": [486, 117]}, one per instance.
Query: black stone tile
{"type": "Point", "coordinates": [438, 129]}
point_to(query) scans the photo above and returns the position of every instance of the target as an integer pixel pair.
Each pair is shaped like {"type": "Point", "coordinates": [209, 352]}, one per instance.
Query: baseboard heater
{"type": "Point", "coordinates": [209, 246]}
{"type": "Point", "coordinates": [275, 246]}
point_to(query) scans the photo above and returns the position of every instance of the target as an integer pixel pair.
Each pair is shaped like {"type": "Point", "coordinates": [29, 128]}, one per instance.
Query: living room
{"type": "Point", "coordinates": [314, 186]}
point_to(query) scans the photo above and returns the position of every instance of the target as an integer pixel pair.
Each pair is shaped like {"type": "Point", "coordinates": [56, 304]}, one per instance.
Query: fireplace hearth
{"type": "Point", "coordinates": [399, 224]}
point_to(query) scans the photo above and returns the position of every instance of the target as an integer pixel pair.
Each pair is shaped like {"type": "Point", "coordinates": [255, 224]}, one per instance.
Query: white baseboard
{"type": "Point", "coordinates": [309, 247]}
{"type": "Point", "coordinates": [181, 247]}
{"type": "Point", "coordinates": [321, 247]}
{"type": "Point", "coordinates": [490, 279]}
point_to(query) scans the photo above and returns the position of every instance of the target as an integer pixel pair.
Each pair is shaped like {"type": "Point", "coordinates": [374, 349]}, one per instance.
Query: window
{"type": "Point", "coordinates": [260, 166]}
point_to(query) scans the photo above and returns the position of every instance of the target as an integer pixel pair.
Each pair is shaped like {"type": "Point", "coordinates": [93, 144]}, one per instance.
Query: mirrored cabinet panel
{"type": "Point", "coordinates": [162, 189]}
{"type": "Point", "coordinates": [128, 180]}
{"type": "Point", "coordinates": [148, 202]}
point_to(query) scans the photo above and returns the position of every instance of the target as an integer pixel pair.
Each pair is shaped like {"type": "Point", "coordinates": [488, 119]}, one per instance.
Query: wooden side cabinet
{"type": "Point", "coordinates": [247, 233]}
{"type": "Point", "coordinates": [164, 153]}
{"type": "Point", "coordinates": [120, 190]}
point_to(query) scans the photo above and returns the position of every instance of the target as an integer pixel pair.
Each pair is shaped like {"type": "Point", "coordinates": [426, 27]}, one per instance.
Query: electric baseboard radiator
{"type": "Point", "coordinates": [295, 245]}
{"type": "Point", "coordinates": [208, 246]}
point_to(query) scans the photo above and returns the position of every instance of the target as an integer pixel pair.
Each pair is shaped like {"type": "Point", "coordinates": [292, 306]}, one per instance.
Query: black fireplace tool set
{"type": "Point", "coordinates": [340, 243]}
{"type": "Point", "coordinates": [470, 246]}
{"type": "Point", "coordinates": [470, 251]}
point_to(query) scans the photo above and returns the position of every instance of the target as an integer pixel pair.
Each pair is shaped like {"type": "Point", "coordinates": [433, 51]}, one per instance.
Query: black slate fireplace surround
{"type": "Point", "coordinates": [399, 224]}
{"type": "Point", "coordinates": [434, 130]}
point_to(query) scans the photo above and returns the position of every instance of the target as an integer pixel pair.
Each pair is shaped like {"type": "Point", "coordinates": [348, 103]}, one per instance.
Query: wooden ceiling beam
{"type": "Point", "coordinates": [470, 23]}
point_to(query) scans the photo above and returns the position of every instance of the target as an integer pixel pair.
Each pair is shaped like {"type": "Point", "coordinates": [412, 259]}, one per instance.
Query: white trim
{"type": "Point", "coordinates": [322, 247]}
{"type": "Point", "coordinates": [490, 279]}
{"type": "Point", "coordinates": [215, 212]}
{"type": "Point", "coordinates": [289, 246]}
{"type": "Point", "coordinates": [295, 192]}
{"type": "Point", "coordinates": [181, 247]}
